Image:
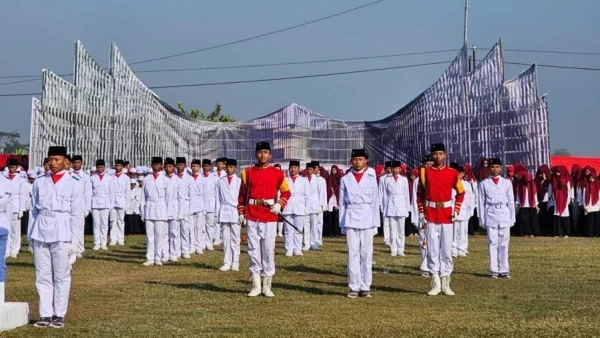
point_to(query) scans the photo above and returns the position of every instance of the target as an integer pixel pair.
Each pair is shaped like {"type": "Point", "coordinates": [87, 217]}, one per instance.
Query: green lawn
{"type": "Point", "coordinates": [555, 291]}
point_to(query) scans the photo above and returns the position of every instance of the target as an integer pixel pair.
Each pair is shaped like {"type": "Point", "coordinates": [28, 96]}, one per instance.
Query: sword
{"type": "Point", "coordinates": [282, 217]}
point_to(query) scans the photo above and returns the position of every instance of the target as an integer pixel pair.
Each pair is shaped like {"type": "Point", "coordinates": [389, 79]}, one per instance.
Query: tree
{"type": "Point", "coordinates": [11, 144]}
{"type": "Point", "coordinates": [214, 116]}
{"type": "Point", "coordinates": [561, 152]}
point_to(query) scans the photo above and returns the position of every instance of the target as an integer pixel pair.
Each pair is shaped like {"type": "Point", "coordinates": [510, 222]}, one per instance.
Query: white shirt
{"type": "Point", "coordinates": [186, 185]}
{"type": "Point", "coordinates": [120, 190]}
{"type": "Point", "coordinates": [173, 196]}
{"type": "Point", "coordinates": [496, 203]}
{"type": "Point", "coordinates": [154, 198]}
{"type": "Point", "coordinates": [19, 193]}
{"type": "Point", "coordinates": [55, 209]}
{"type": "Point", "coordinates": [135, 201]}
{"type": "Point", "coordinates": [197, 204]}
{"type": "Point", "coordinates": [227, 199]}
{"type": "Point", "coordinates": [468, 206]}
{"type": "Point", "coordinates": [101, 198]}
{"type": "Point", "coordinates": [6, 190]}
{"type": "Point", "coordinates": [552, 201]}
{"type": "Point", "coordinates": [209, 191]}
{"type": "Point", "coordinates": [359, 201]}
{"type": "Point", "coordinates": [318, 195]}
{"type": "Point", "coordinates": [87, 188]}
{"type": "Point", "coordinates": [394, 196]}
{"type": "Point", "coordinates": [298, 204]}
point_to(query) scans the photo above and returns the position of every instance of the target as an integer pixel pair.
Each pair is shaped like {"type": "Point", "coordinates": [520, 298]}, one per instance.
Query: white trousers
{"type": "Point", "coordinates": [439, 248]}
{"type": "Point", "coordinates": [154, 241]}
{"type": "Point", "coordinates": [81, 240]}
{"type": "Point", "coordinates": [52, 277]}
{"type": "Point", "coordinates": [14, 238]}
{"type": "Point", "coordinates": [423, 249]}
{"type": "Point", "coordinates": [386, 230]}
{"type": "Point", "coordinates": [397, 233]}
{"type": "Point", "coordinates": [174, 238]}
{"type": "Point", "coordinates": [218, 232]}
{"type": "Point", "coordinates": [166, 236]}
{"type": "Point", "coordinates": [461, 237]}
{"type": "Point", "coordinates": [314, 228]}
{"type": "Point", "coordinates": [306, 231]}
{"type": "Point", "coordinates": [320, 228]}
{"type": "Point", "coordinates": [186, 235]}
{"type": "Point", "coordinates": [293, 238]}
{"type": "Point", "coordinates": [100, 218]}
{"type": "Point", "coordinates": [261, 247]}
{"type": "Point", "coordinates": [231, 244]}
{"type": "Point", "coordinates": [498, 239]}
{"type": "Point", "coordinates": [117, 225]}
{"type": "Point", "coordinates": [211, 230]}
{"type": "Point", "coordinates": [198, 227]}
{"type": "Point", "coordinates": [360, 258]}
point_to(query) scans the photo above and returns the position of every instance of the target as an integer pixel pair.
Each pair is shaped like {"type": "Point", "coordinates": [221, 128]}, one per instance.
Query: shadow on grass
{"type": "Point", "coordinates": [202, 265]}
{"type": "Point", "coordinates": [373, 287]}
{"type": "Point", "coordinates": [130, 252]}
{"type": "Point", "coordinates": [120, 259]}
{"type": "Point", "coordinates": [306, 289]}
{"type": "Point", "coordinates": [24, 264]}
{"type": "Point", "coordinates": [310, 269]}
{"type": "Point", "coordinates": [198, 286]}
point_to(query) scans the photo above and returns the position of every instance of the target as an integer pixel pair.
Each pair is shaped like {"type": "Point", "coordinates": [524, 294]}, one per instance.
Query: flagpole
{"type": "Point", "coordinates": [465, 85]}
{"type": "Point", "coordinates": [466, 21]}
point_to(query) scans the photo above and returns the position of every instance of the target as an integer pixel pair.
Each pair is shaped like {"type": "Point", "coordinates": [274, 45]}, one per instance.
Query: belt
{"type": "Point", "coordinates": [264, 202]}
{"type": "Point", "coordinates": [498, 205]}
{"type": "Point", "coordinates": [358, 206]}
{"type": "Point", "coordinates": [439, 205]}
{"type": "Point", "coordinates": [51, 213]}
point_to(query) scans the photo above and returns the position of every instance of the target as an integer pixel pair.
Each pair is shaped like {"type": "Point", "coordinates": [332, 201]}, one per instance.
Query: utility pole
{"type": "Point", "coordinates": [466, 21]}
{"type": "Point", "coordinates": [466, 88]}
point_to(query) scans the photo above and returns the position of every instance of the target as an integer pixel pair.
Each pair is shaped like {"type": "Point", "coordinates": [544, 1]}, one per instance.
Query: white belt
{"type": "Point", "coordinates": [261, 201]}
{"type": "Point", "coordinates": [359, 206]}
{"type": "Point", "coordinates": [439, 205]}
{"type": "Point", "coordinates": [51, 213]}
{"type": "Point", "coordinates": [498, 205]}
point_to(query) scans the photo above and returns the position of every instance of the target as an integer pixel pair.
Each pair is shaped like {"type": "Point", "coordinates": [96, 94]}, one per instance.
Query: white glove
{"type": "Point", "coordinates": [20, 214]}
{"type": "Point", "coordinates": [323, 208]}
{"type": "Point", "coordinates": [86, 213]}
{"type": "Point", "coordinates": [31, 247]}
{"type": "Point", "coordinates": [276, 209]}
{"type": "Point", "coordinates": [454, 217]}
{"type": "Point", "coordinates": [343, 231]}
{"type": "Point", "coordinates": [242, 219]}
{"type": "Point", "coordinates": [142, 217]}
{"type": "Point", "coordinates": [72, 250]}
{"type": "Point", "coordinates": [422, 219]}
{"type": "Point", "coordinates": [306, 211]}
{"type": "Point", "coordinates": [381, 209]}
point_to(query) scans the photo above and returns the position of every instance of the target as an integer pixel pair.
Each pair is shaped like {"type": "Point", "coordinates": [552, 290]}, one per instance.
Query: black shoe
{"type": "Point", "coordinates": [43, 322]}
{"type": "Point", "coordinates": [366, 294]}
{"type": "Point", "coordinates": [352, 294]}
{"type": "Point", "coordinates": [504, 275]}
{"type": "Point", "coordinates": [57, 322]}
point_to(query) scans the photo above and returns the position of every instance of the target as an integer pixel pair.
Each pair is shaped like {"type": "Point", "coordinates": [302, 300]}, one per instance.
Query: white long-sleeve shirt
{"type": "Point", "coordinates": [359, 201]}
{"type": "Point", "coordinates": [468, 207]}
{"type": "Point", "coordinates": [135, 201]}
{"type": "Point", "coordinates": [496, 207]}
{"type": "Point", "coordinates": [552, 201]}
{"type": "Point", "coordinates": [394, 196]}
{"type": "Point", "coordinates": [298, 204]}
{"type": "Point", "coordinates": [6, 190]}
{"type": "Point", "coordinates": [227, 199]}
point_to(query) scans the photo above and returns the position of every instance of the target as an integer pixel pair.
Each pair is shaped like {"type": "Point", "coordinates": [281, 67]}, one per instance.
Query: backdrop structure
{"type": "Point", "coordinates": [112, 114]}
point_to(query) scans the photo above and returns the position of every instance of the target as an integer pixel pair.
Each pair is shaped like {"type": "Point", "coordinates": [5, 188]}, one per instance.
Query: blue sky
{"type": "Point", "coordinates": [40, 33]}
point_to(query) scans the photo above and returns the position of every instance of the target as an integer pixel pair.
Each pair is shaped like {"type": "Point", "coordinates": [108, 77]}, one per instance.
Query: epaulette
{"type": "Point", "coordinates": [75, 177]}
{"type": "Point", "coordinates": [42, 175]}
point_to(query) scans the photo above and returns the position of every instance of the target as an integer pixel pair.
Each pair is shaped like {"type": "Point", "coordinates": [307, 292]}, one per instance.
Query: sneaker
{"type": "Point", "coordinates": [103, 247]}
{"type": "Point", "coordinates": [454, 254]}
{"type": "Point", "coordinates": [352, 294]}
{"type": "Point", "coordinates": [462, 254]}
{"type": "Point", "coordinates": [158, 262]}
{"type": "Point", "coordinates": [165, 260]}
{"type": "Point", "coordinates": [225, 268]}
{"type": "Point", "coordinates": [401, 254]}
{"type": "Point", "coordinates": [235, 268]}
{"type": "Point", "coordinates": [43, 322]}
{"type": "Point", "coordinates": [210, 248]}
{"type": "Point", "coordinates": [394, 254]}
{"type": "Point", "coordinates": [79, 255]}
{"type": "Point", "coordinates": [494, 275]}
{"type": "Point", "coordinates": [320, 243]}
{"type": "Point", "coordinates": [299, 253]}
{"type": "Point", "coordinates": [306, 248]}
{"type": "Point", "coordinates": [289, 254]}
{"type": "Point", "coordinates": [113, 243]}
{"type": "Point", "coordinates": [148, 263]}
{"type": "Point", "coordinates": [96, 247]}
{"type": "Point", "coordinates": [504, 275]}
{"type": "Point", "coordinates": [57, 322]}
{"type": "Point", "coordinates": [219, 242]}
{"type": "Point", "coordinates": [365, 294]}
{"type": "Point", "coordinates": [121, 244]}
{"type": "Point", "coordinates": [199, 252]}
{"type": "Point", "coordinates": [424, 274]}
{"type": "Point", "coordinates": [186, 256]}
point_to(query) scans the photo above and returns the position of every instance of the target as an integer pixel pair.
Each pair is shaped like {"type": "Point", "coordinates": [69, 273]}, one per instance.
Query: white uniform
{"type": "Point", "coordinates": [172, 235]}
{"type": "Point", "coordinates": [461, 225]}
{"type": "Point", "coordinates": [186, 186]}
{"type": "Point", "coordinates": [209, 192]}
{"type": "Point", "coordinates": [120, 193]}
{"type": "Point", "coordinates": [497, 215]}
{"type": "Point", "coordinates": [86, 182]}
{"type": "Point", "coordinates": [101, 205]}
{"type": "Point", "coordinates": [228, 190]}
{"type": "Point", "coordinates": [386, 220]}
{"type": "Point", "coordinates": [323, 203]}
{"type": "Point", "coordinates": [197, 216]}
{"type": "Point", "coordinates": [295, 211]}
{"type": "Point", "coordinates": [359, 216]}
{"type": "Point", "coordinates": [414, 219]}
{"type": "Point", "coordinates": [317, 201]}
{"type": "Point", "coordinates": [135, 201]}
{"type": "Point", "coordinates": [54, 235]}
{"type": "Point", "coordinates": [18, 198]}
{"type": "Point", "coordinates": [395, 201]}
{"type": "Point", "coordinates": [5, 218]}
{"type": "Point", "coordinates": [218, 229]}
{"type": "Point", "coordinates": [154, 212]}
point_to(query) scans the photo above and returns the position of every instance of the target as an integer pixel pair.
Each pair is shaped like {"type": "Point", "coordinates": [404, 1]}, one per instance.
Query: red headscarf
{"type": "Point", "coordinates": [415, 172]}
{"type": "Point", "coordinates": [379, 170]}
{"type": "Point", "coordinates": [520, 169]}
{"type": "Point", "coordinates": [468, 170]}
{"type": "Point", "coordinates": [333, 183]}
{"type": "Point", "coordinates": [542, 184]}
{"type": "Point", "coordinates": [526, 184]}
{"type": "Point", "coordinates": [483, 172]}
{"type": "Point", "coordinates": [577, 176]}
{"type": "Point", "coordinates": [560, 188]}
{"type": "Point", "coordinates": [591, 188]}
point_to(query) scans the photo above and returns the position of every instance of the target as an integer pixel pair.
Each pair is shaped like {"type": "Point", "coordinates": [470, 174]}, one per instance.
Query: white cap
{"type": "Point", "coordinates": [124, 171]}
{"type": "Point", "coordinates": [32, 173]}
{"type": "Point", "coordinates": [139, 169]}
{"type": "Point", "coordinates": [133, 181]}
{"type": "Point", "coordinates": [140, 178]}
{"type": "Point", "coordinates": [93, 169]}
{"type": "Point", "coordinates": [133, 171]}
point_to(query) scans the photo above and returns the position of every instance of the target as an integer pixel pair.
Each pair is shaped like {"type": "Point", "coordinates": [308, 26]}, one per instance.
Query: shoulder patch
{"type": "Point", "coordinates": [75, 177]}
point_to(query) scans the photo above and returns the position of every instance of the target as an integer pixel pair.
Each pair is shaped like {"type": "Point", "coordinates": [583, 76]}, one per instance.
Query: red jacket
{"type": "Point", "coordinates": [262, 184]}
{"type": "Point", "coordinates": [435, 185]}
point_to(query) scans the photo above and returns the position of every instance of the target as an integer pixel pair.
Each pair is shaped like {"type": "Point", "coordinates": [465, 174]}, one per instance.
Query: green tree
{"type": "Point", "coordinates": [214, 116]}
{"type": "Point", "coordinates": [561, 152]}
{"type": "Point", "coordinates": [10, 143]}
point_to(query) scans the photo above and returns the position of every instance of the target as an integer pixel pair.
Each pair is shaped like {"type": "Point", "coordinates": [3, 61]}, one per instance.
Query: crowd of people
{"type": "Point", "coordinates": [185, 208]}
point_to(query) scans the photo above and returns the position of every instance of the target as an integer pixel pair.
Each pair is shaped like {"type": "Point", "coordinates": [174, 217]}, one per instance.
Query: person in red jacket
{"type": "Point", "coordinates": [259, 207]}
{"type": "Point", "coordinates": [434, 199]}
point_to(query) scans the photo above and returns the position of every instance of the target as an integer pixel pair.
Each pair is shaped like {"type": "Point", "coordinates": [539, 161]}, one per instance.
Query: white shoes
{"type": "Point", "coordinates": [148, 263]}
{"type": "Point", "coordinates": [306, 248]}
{"type": "Point", "coordinates": [255, 291]}
{"type": "Point", "coordinates": [266, 289]}
{"type": "Point", "coordinates": [446, 286]}
{"type": "Point", "coordinates": [462, 254]}
{"type": "Point", "coordinates": [394, 254]}
{"type": "Point", "coordinates": [436, 286]}
{"type": "Point", "coordinates": [225, 268]}
{"type": "Point", "coordinates": [112, 243]}
{"type": "Point", "coordinates": [96, 247]}
{"type": "Point", "coordinates": [199, 252]}
{"type": "Point", "coordinates": [103, 247]}
{"type": "Point", "coordinates": [173, 259]}
{"type": "Point", "coordinates": [289, 254]}
{"type": "Point", "coordinates": [158, 262]}
{"type": "Point", "coordinates": [218, 242]}
{"type": "Point", "coordinates": [235, 268]}
{"type": "Point", "coordinates": [401, 254]}
{"type": "Point", "coordinates": [210, 248]}
{"type": "Point", "coordinates": [186, 256]}
{"type": "Point", "coordinates": [79, 255]}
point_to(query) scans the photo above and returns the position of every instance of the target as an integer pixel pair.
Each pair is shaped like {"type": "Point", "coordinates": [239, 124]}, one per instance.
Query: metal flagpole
{"type": "Point", "coordinates": [466, 21]}
{"type": "Point", "coordinates": [465, 85]}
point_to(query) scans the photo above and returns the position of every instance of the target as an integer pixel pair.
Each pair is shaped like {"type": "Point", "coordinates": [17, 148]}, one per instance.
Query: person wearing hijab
{"type": "Point", "coordinates": [578, 179]}
{"type": "Point", "coordinates": [483, 171]}
{"type": "Point", "coordinates": [526, 200]}
{"type": "Point", "coordinates": [409, 228]}
{"type": "Point", "coordinates": [560, 192]}
{"type": "Point", "coordinates": [589, 200]}
{"type": "Point", "coordinates": [333, 196]}
{"type": "Point", "coordinates": [542, 182]}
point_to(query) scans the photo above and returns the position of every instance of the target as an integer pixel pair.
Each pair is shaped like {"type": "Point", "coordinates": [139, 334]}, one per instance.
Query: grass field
{"type": "Point", "coordinates": [554, 292]}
